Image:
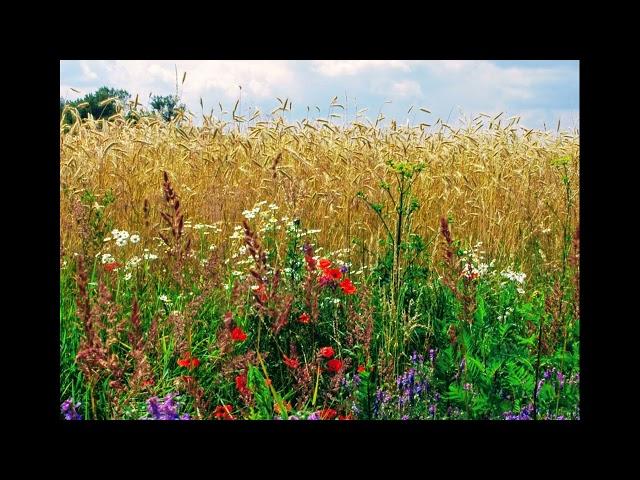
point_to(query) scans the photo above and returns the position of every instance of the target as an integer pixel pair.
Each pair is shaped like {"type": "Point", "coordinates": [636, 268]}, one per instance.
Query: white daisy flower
{"type": "Point", "coordinates": [134, 238]}
{"type": "Point", "coordinates": [135, 260]}
{"type": "Point", "coordinates": [107, 258]}
{"type": "Point", "coordinates": [121, 241]}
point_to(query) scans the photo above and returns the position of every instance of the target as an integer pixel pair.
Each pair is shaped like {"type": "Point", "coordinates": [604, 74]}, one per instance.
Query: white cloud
{"type": "Point", "coordinates": [406, 88]}
{"type": "Point", "coordinates": [87, 72]}
{"type": "Point", "coordinates": [208, 79]}
{"type": "Point", "coordinates": [334, 68]}
{"type": "Point", "coordinates": [469, 77]}
{"type": "Point", "coordinates": [441, 86]}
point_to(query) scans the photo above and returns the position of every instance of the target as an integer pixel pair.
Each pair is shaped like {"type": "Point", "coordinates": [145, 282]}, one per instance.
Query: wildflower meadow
{"type": "Point", "coordinates": [261, 269]}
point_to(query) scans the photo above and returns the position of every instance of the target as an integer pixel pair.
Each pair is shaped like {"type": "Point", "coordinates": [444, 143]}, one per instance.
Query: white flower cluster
{"type": "Point", "coordinates": [122, 237]}
{"type": "Point", "coordinates": [507, 313]}
{"type": "Point", "coordinates": [238, 233]}
{"type": "Point", "coordinates": [133, 262]}
{"type": "Point", "coordinates": [475, 266]}
{"type": "Point", "coordinates": [514, 276]}
{"type": "Point", "coordinates": [165, 299]}
{"type": "Point", "coordinates": [251, 214]}
{"type": "Point", "coordinates": [107, 258]}
{"type": "Point", "coordinates": [204, 226]}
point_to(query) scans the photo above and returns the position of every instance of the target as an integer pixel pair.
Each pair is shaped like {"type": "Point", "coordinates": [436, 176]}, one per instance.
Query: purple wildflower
{"type": "Point", "coordinates": [432, 410]}
{"type": "Point", "coordinates": [314, 416]}
{"type": "Point", "coordinates": [432, 355]}
{"type": "Point", "coordinates": [344, 269]}
{"type": "Point", "coordinates": [405, 417]}
{"type": "Point", "coordinates": [165, 409]}
{"type": "Point", "coordinates": [560, 379]}
{"type": "Point", "coordinates": [293, 417]}
{"type": "Point", "coordinates": [69, 410]}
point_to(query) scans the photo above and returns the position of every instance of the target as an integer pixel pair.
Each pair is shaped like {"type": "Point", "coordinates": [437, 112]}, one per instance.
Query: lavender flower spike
{"type": "Point", "coordinates": [69, 410]}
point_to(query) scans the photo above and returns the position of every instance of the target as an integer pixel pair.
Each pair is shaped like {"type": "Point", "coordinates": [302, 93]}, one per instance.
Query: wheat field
{"type": "Point", "coordinates": [500, 184]}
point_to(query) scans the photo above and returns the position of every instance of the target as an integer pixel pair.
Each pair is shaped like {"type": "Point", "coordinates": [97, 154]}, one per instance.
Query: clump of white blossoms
{"type": "Point", "coordinates": [251, 214]}
{"type": "Point", "coordinates": [122, 237]}
{"type": "Point", "coordinates": [474, 265]}
{"type": "Point", "coordinates": [237, 233]}
{"type": "Point", "coordinates": [127, 276]}
{"type": "Point", "coordinates": [150, 256]}
{"type": "Point", "coordinates": [507, 313]}
{"type": "Point", "coordinates": [165, 299]}
{"type": "Point", "coordinates": [107, 258]}
{"type": "Point", "coordinates": [517, 277]}
{"type": "Point", "coordinates": [133, 262]}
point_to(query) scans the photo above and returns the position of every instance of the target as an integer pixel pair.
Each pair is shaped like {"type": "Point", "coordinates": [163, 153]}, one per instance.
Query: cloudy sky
{"type": "Point", "coordinates": [538, 91]}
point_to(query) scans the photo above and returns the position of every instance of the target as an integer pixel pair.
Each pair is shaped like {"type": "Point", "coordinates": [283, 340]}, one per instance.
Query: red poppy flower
{"type": "Point", "coordinates": [189, 362]}
{"type": "Point", "coordinates": [334, 365]}
{"type": "Point", "coordinates": [361, 368]}
{"type": "Point", "coordinates": [324, 263]}
{"type": "Point", "coordinates": [110, 267]}
{"type": "Point", "coordinates": [238, 335]}
{"type": "Point", "coordinates": [345, 417]}
{"type": "Point", "coordinates": [327, 352]}
{"type": "Point", "coordinates": [241, 385]}
{"type": "Point", "coordinates": [348, 287]}
{"type": "Point", "coordinates": [334, 273]}
{"type": "Point", "coordinates": [327, 414]}
{"type": "Point", "coordinates": [291, 362]}
{"type": "Point", "coordinates": [223, 412]}
{"type": "Point", "coordinates": [304, 318]}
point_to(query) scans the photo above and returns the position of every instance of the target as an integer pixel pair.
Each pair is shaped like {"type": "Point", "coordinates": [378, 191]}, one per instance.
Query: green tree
{"type": "Point", "coordinates": [167, 106]}
{"type": "Point", "coordinates": [103, 103]}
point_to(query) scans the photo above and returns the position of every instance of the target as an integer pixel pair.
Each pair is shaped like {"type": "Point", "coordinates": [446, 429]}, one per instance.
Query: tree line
{"type": "Point", "coordinates": [106, 102]}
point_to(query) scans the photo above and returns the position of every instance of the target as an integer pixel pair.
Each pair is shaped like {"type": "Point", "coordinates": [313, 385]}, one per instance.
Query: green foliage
{"type": "Point", "coordinates": [101, 104]}
{"type": "Point", "coordinates": [168, 107]}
